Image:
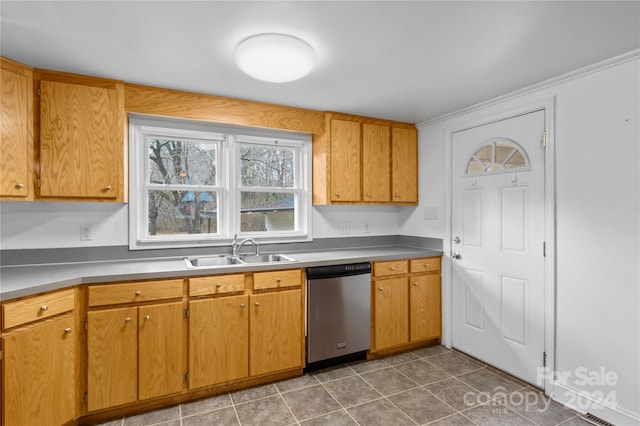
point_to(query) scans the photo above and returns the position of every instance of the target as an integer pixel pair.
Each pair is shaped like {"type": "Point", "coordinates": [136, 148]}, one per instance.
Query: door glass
{"type": "Point", "coordinates": [497, 156]}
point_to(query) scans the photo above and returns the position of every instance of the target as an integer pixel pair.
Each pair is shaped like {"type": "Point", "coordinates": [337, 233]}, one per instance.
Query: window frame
{"type": "Point", "coordinates": [228, 186]}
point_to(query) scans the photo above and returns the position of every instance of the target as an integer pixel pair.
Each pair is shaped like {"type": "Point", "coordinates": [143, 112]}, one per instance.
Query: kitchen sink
{"type": "Point", "coordinates": [266, 258]}
{"type": "Point", "coordinates": [208, 261]}
{"type": "Point", "coordinates": [227, 259]}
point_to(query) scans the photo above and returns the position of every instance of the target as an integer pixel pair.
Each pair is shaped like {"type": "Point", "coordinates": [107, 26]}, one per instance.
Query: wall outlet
{"type": "Point", "coordinates": [345, 227]}
{"type": "Point", "coordinates": [86, 233]}
{"type": "Point", "coordinates": [431, 212]}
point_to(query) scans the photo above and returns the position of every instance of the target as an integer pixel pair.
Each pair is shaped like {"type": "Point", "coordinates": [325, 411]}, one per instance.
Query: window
{"type": "Point", "coordinates": [499, 155]}
{"type": "Point", "coordinates": [194, 184]}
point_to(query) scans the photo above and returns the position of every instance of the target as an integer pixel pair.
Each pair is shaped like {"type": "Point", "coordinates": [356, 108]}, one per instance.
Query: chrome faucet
{"type": "Point", "coordinates": [236, 246]}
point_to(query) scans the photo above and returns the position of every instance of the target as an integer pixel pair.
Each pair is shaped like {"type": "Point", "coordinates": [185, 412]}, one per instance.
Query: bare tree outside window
{"type": "Point", "coordinates": [190, 166]}
{"type": "Point", "coordinates": [267, 179]}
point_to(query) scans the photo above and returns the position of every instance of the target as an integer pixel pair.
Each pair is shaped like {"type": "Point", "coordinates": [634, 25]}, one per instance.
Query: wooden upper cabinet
{"type": "Point", "coordinates": [16, 131]}
{"type": "Point", "coordinates": [345, 161]}
{"type": "Point", "coordinates": [376, 166]}
{"type": "Point", "coordinates": [404, 165]}
{"type": "Point", "coordinates": [360, 160]}
{"type": "Point", "coordinates": [81, 137]}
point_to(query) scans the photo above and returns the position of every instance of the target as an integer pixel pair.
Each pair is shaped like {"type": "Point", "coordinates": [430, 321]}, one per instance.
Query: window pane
{"type": "Point", "coordinates": [266, 166]}
{"type": "Point", "coordinates": [179, 162]}
{"type": "Point", "coordinates": [267, 211]}
{"type": "Point", "coordinates": [182, 212]}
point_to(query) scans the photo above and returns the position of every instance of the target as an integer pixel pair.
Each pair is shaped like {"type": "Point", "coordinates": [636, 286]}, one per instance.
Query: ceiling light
{"type": "Point", "coordinates": [276, 58]}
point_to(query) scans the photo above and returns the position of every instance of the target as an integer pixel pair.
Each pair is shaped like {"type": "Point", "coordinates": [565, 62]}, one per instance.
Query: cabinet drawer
{"type": "Point", "coordinates": [277, 279]}
{"type": "Point", "coordinates": [37, 307]}
{"type": "Point", "coordinates": [394, 267]}
{"type": "Point", "coordinates": [426, 264]}
{"type": "Point", "coordinates": [113, 294]}
{"type": "Point", "coordinates": [220, 284]}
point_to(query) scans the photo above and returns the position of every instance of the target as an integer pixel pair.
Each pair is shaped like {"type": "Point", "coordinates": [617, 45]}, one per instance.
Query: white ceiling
{"type": "Point", "coordinates": [408, 61]}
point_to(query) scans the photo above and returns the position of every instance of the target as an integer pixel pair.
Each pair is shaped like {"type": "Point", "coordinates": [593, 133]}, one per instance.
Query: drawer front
{"type": "Point", "coordinates": [37, 307]}
{"type": "Point", "coordinates": [277, 279]}
{"type": "Point", "coordinates": [426, 264]}
{"type": "Point", "coordinates": [220, 284]}
{"type": "Point", "coordinates": [394, 267]}
{"type": "Point", "coordinates": [113, 294]}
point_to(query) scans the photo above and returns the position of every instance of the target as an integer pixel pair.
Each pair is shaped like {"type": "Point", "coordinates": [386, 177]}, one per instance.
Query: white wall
{"type": "Point", "coordinates": [598, 224]}
{"type": "Point", "coordinates": [34, 225]}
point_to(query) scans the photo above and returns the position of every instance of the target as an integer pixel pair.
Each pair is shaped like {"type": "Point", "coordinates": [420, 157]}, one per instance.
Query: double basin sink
{"type": "Point", "coordinates": [227, 259]}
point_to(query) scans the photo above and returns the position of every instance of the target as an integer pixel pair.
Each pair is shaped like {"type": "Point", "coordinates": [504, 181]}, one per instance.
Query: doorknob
{"type": "Point", "coordinates": [456, 255]}
{"type": "Point", "coordinates": [456, 240]}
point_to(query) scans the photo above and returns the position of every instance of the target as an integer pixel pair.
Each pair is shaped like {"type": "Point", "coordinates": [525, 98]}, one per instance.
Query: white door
{"type": "Point", "coordinates": [497, 243]}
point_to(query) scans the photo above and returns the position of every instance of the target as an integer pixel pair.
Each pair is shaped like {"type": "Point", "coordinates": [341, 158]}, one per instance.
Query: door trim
{"type": "Point", "coordinates": [548, 106]}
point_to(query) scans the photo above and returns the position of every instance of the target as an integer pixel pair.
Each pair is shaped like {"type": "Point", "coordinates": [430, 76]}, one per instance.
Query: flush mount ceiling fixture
{"type": "Point", "coordinates": [276, 58]}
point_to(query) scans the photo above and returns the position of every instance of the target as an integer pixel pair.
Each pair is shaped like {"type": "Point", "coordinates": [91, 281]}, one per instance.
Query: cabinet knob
{"type": "Point", "coordinates": [127, 319]}
{"type": "Point", "coordinates": [242, 305]}
{"type": "Point", "coordinates": [278, 280]}
{"type": "Point", "coordinates": [338, 194]}
{"type": "Point", "coordinates": [147, 317]}
{"type": "Point", "coordinates": [369, 194]}
{"type": "Point", "coordinates": [426, 265]}
{"type": "Point", "coordinates": [138, 293]}
{"type": "Point", "coordinates": [393, 268]}
{"type": "Point", "coordinates": [44, 308]}
{"type": "Point", "coordinates": [257, 304]}
{"type": "Point", "coordinates": [19, 185]}
{"type": "Point", "coordinates": [108, 188]}
{"type": "Point", "coordinates": [415, 283]}
{"type": "Point", "coordinates": [67, 330]}
{"type": "Point", "coordinates": [381, 288]}
{"type": "Point", "coordinates": [218, 285]}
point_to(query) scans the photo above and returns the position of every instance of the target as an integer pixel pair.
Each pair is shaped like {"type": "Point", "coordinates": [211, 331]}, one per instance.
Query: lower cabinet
{"type": "Point", "coordinates": [406, 303]}
{"type": "Point", "coordinates": [234, 335]}
{"type": "Point", "coordinates": [39, 360]}
{"type": "Point", "coordinates": [135, 352]}
{"type": "Point", "coordinates": [218, 340]}
{"type": "Point", "coordinates": [275, 332]}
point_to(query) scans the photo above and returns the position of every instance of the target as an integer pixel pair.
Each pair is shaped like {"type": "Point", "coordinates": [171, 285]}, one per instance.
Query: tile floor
{"type": "Point", "coordinates": [432, 386]}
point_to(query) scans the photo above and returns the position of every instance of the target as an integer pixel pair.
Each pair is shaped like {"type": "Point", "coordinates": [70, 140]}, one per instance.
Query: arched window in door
{"type": "Point", "coordinates": [497, 155]}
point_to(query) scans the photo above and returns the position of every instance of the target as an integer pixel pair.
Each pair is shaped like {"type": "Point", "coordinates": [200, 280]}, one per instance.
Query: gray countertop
{"type": "Point", "coordinates": [20, 281]}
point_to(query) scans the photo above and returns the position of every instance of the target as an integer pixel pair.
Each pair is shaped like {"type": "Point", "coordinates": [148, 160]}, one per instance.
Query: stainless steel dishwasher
{"type": "Point", "coordinates": [338, 313]}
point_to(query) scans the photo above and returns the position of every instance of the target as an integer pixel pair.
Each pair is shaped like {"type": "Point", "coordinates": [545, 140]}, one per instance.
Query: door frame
{"type": "Point", "coordinates": [474, 120]}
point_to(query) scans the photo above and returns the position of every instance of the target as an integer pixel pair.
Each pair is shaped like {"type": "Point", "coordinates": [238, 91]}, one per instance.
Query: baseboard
{"type": "Point", "coordinates": [604, 408]}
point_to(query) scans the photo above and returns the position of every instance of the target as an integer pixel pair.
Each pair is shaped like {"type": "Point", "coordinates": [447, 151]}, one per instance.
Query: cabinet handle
{"type": "Point", "coordinates": [257, 304]}
{"type": "Point", "coordinates": [19, 185]}
{"type": "Point", "coordinates": [108, 188]}
{"type": "Point", "coordinates": [44, 308]}
{"type": "Point", "coordinates": [381, 288]}
{"type": "Point", "coordinates": [138, 293]}
{"type": "Point", "coordinates": [147, 317]}
{"type": "Point", "coordinates": [127, 319]}
{"type": "Point", "coordinates": [242, 305]}
{"type": "Point", "coordinates": [67, 330]}
{"type": "Point", "coordinates": [218, 285]}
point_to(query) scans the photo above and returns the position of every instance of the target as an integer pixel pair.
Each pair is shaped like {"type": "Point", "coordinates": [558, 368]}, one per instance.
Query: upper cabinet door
{"type": "Point", "coordinates": [81, 140]}
{"type": "Point", "coordinates": [404, 165]}
{"type": "Point", "coordinates": [16, 131]}
{"type": "Point", "coordinates": [345, 161]}
{"type": "Point", "coordinates": [376, 165]}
